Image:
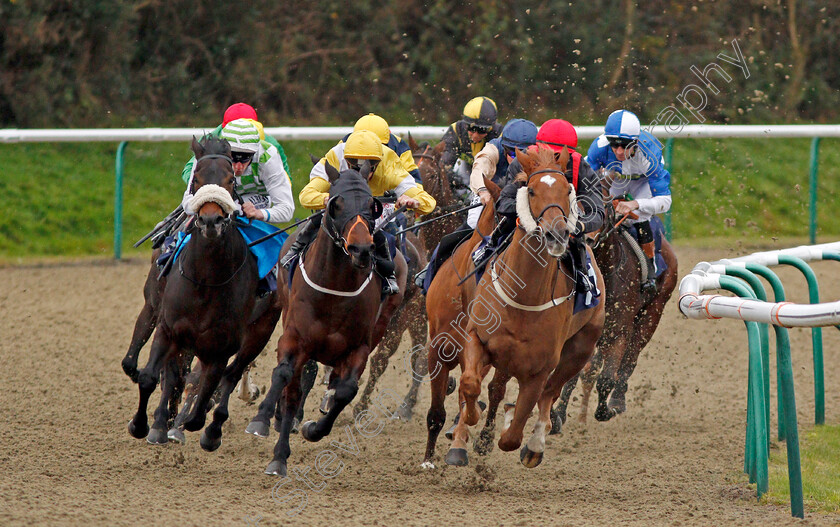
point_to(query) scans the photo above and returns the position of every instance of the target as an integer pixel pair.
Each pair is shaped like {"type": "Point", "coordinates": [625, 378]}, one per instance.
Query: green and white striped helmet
{"type": "Point", "coordinates": [243, 136]}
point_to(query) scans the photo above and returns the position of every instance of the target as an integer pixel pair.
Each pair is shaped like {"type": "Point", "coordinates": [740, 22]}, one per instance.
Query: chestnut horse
{"type": "Point", "coordinates": [206, 308]}
{"type": "Point", "coordinates": [535, 338]}
{"type": "Point", "coordinates": [632, 319]}
{"type": "Point", "coordinates": [335, 278]}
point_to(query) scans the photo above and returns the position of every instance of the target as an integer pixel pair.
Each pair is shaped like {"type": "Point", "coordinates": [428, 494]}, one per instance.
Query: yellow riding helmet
{"type": "Point", "coordinates": [375, 124]}
{"type": "Point", "coordinates": [480, 111]}
{"type": "Point", "coordinates": [363, 144]}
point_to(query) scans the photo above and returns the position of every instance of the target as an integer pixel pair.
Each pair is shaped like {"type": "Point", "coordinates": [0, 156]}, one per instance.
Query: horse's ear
{"type": "Point", "coordinates": [364, 170]}
{"type": "Point", "coordinates": [332, 173]}
{"type": "Point", "coordinates": [526, 160]}
{"type": "Point", "coordinates": [197, 148]}
{"type": "Point", "coordinates": [314, 159]}
{"type": "Point", "coordinates": [376, 208]}
{"type": "Point", "coordinates": [564, 157]}
{"type": "Point", "coordinates": [412, 144]}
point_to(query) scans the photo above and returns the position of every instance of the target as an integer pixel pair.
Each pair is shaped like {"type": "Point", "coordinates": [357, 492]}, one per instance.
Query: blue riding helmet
{"type": "Point", "coordinates": [519, 133]}
{"type": "Point", "coordinates": [622, 124]}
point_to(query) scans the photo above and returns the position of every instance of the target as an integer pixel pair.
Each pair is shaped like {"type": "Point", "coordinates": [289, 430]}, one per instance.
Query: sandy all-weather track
{"type": "Point", "coordinates": [66, 457]}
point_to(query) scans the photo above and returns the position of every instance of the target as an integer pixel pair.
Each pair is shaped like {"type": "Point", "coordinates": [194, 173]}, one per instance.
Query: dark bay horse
{"type": "Point", "coordinates": [535, 338]}
{"type": "Point", "coordinates": [335, 312]}
{"type": "Point", "coordinates": [436, 183]}
{"type": "Point", "coordinates": [632, 319]}
{"type": "Point", "coordinates": [207, 308]}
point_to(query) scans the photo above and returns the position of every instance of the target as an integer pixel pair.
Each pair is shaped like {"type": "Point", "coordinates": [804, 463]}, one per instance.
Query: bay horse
{"type": "Point", "coordinates": [631, 319]}
{"type": "Point", "coordinates": [335, 278]}
{"type": "Point", "coordinates": [535, 338]}
{"type": "Point", "coordinates": [207, 308]}
{"type": "Point", "coordinates": [436, 183]}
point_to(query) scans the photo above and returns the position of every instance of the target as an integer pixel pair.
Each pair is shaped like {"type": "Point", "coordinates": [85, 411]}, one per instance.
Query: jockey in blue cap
{"type": "Point", "coordinates": [632, 160]}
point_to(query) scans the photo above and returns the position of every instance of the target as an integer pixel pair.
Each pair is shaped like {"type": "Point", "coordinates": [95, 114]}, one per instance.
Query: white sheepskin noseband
{"type": "Point", "coordinates": [526, 218]}
{"type": "Point", "coordinates": [214, 193]}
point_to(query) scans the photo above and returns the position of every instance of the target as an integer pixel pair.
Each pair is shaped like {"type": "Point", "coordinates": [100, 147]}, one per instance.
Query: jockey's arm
{"type": "Point", "coordinates": [590, 197]}
{"type": "Point", "coordinates": [659, 181]}
{"type": "Point", "coordinates": [484, 166]}
{"type": "Point", "coordinates": [403, 184]}
{"type": "Point", "coordinates": [279, 188]}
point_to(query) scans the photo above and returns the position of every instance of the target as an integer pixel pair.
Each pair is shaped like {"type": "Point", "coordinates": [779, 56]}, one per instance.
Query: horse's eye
{"type": "Point", "coordinates": [530, 191]}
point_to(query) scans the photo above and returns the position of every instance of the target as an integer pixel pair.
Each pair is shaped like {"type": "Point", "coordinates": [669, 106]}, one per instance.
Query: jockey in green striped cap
{"type": "Point", "coordinates": [262, 182]}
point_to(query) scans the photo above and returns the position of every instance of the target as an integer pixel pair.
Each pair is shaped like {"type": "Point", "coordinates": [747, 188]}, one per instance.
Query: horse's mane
{"type": "Point", "coordinates": [539, 158]}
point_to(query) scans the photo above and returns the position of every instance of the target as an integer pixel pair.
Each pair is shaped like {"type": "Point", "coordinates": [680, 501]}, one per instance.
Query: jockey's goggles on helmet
{"type": "Point", "coordinates": [620, 142]}
{"type": "Point", "coordinates": [241, 157]}
{"type": "Point", "coordinates": [356, 164]}
{"type": "Point", "coordinates": [479, 129]}
{"type": "Point", "coordinates": [510, 151]}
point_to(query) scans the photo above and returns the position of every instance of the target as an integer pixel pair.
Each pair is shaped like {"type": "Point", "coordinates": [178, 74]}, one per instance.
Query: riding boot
{"type": "Point", "coordinates": [581, 270]}
{"type": "Point", "coordinates": [305, 236]}
{"type": "Point", "coordinates": [499, 234]}
{"type": "Point", "coordinates": [384, 266]}
{"type": "Point", "coordinates": [649, 248]}
{"type": "Point", "coordinates": [420, 277]}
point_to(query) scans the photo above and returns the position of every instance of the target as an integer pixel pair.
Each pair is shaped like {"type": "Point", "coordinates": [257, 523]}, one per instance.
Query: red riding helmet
{"type": "Point", "coordinates": [557, 133]}
{"type": "Point", "coordinates": [239, 110]}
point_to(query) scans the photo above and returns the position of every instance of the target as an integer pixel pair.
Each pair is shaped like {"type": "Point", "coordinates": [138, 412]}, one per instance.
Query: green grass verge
{"type": "Point", "coordinates": [61, 195]}
{"type": "Point", "coordinates": [820, 456]}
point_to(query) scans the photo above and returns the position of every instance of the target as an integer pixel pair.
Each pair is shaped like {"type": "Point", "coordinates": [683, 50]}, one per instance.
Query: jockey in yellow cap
{"type": "Point", "coordinates": [387, 174]}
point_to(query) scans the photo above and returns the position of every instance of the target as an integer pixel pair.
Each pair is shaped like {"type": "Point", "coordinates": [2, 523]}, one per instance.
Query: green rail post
{"type": "Point", "coordinates": [756, 448]}
{"type": "Point", "coordinates": [669, 149]}
{"type": "Point", "coordinates": [118, 199]}
{"type": "Point", "coordinates": [764, 333]}
{"type": "Point", "coordinates": [812, 183]}
{"type": "Point", "coordinates": [816, 336]}
{"type": "Point", "coordinates": [778, 296]}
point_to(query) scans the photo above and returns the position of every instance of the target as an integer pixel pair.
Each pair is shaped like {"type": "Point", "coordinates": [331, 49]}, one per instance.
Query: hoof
{"type": "Point", "coordinates": [617, 406]}
{"type": "Point", "coordinates": [138, 431]}
{"type": "Point", "coordinates": [450, 434]}
{"type": "Point", "coordinates": [307, 430]}
{"type": "Point", "coordinates": [457, 457]}
{"type": "Point", "coordinates": [157, 437]}
{"type": "Point", "coordinates": [556, 423]}
{"type": "Point", "coordinates": [530, 459]}
{"type": "Point", "coordinates": [295, 426]}
{"type": "Point", "coordinates": [257, 428]}
{"type": "Point", "coordinates": [427, 465]}
{"type": "Point", "coordinates": [483, 444]}
{"type": "Point", "coordinates": [604, 414]}
{"type": "Point", "coordinates": [177, 435]}
{"type": "Point", "coordinates": [404, 413]}
{"type": "Point", "coordinates": [450, 386]}
{"type": "Point", "coordinates": [208, 444]}
{"type": "Point", "coordinates": [276, 468]}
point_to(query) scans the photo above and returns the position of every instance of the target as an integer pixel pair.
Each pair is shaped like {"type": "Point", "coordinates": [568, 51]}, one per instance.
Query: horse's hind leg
{"type": "Point", "coordinates": [147, 380]}
{"type": "Point", "coordinates": [532, 452]}
{"type": "Point", "coordinates": [143, 328]}
{"type": "Point", "coordinates": [558, 415]}
{"type": "Point", "coordinates": [346, 388]}
{"type": "Point", "coordinates": [496, 392]}
{"type": "Point", "coordinates": [419, 366]}
{"type": "Point", "coordinates": [529, 394]}
{"type": "Point", "coordinates": [379, 361]}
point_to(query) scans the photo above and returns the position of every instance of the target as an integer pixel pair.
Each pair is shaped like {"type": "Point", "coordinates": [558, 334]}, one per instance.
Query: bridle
{"type": "Point", "coordinates": [539, 230]}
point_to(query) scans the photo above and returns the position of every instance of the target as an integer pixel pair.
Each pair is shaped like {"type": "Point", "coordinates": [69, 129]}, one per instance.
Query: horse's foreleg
{"type": "Point", "coordinates": [436, 417]}
{"type": "Point", "coordinates": [612, 354]}
{"type": "Point", "coordinates": [287, 373]}
{"type": "Point", "coordinates": [475, 360]}
{"type": "Point", "coordinates": [558, 415]}
{"type": "Point", "coordinates": [147, 380]}
{"type": "Point", "coordinates": [529, 393]}
{"type": "Point", "coordinates": [169, 382]}
{"type": "Point", "coordinates": [346, 387]}
{"type": "Point", "coordinates": [307, 381]}
{"type": "Point", "coordinates": [496, 392]}
{"type": "Point", "coordinates": [532, 452]}
{"type": "Point", "coordinates": [211, 374]}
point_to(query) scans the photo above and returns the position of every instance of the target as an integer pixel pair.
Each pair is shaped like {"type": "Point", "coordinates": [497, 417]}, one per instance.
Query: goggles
{"type": "Point", "coordinates": [620, 142]}
{"type": "Point", "coordinates": [356, 164]}
{"type": "Point", "coordinates": [241, 157]}
{"type": "Point", "coordinates": [479, 129]}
